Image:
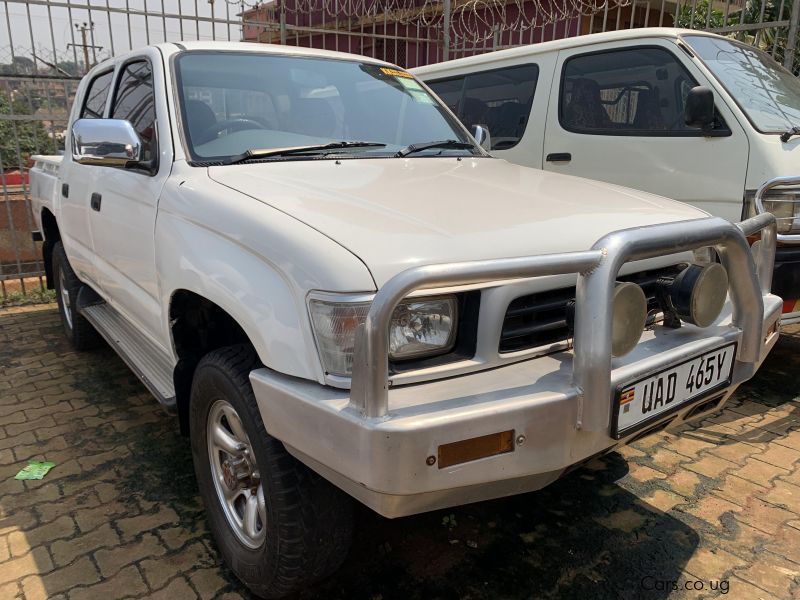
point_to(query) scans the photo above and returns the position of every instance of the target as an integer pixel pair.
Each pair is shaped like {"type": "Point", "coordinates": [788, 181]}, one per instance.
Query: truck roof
{"type": "Point", "coordinates": [556, 45]}
{"type": "Point", "coordinates": [168, 48]}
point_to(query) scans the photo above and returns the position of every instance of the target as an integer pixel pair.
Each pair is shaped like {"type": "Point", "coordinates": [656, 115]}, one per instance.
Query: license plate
{"type": "Point", "coordinates": [640, 403]}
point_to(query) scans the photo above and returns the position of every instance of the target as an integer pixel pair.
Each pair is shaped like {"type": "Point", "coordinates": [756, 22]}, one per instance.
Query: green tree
{"type": "Point", "coordinates": [767, 39]}
{"type": "Point", "coordinates": [29, 136]}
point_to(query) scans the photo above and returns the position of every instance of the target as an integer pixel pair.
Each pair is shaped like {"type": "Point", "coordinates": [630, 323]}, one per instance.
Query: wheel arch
{"type": "Point", "coordinates": [197, 327]}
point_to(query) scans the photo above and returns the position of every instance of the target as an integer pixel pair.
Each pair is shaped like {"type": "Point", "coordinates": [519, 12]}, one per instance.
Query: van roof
{"type": "Point", "coordinates": [556, 45]}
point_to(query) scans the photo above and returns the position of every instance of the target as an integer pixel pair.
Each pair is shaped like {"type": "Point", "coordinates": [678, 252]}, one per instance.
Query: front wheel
{"type": "Point", "coordinates": [279, 526]}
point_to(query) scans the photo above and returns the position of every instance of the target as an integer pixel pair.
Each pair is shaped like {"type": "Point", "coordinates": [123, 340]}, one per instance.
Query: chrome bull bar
{"type": "Point", "coordinates": [784, 238]}
{"type": "Point", "coordinates": [598, 269]}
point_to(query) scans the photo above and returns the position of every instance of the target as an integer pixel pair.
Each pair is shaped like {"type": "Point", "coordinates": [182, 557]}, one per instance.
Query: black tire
{"type": "Point", "coordinates": [309, 521]}
{"type": "Point", "coordinates": [78, 330]}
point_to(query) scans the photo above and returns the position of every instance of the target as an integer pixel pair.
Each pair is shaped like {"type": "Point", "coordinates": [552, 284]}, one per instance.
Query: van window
{"type": "Point", "coordinates": [135, 102]}
{"type": "Point", "coordinates": [96, 95]}
{"type": "Point", "coordinates": [639, 91]}
{"type": "Point", "coordinates": [500, 99]}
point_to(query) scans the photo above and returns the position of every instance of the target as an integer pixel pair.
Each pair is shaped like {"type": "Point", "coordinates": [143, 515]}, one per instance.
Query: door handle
{"type": "Point", "coordinates": [95, 202]}
{"type": "Point", "coordinates": [559, 157]}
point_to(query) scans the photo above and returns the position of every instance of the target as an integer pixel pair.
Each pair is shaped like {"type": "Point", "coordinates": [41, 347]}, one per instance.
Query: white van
{"type": "Point", "coordinates": [615, 106]}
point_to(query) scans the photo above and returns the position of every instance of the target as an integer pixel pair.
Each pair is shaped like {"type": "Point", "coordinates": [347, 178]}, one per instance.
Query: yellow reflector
{"type": "Point", "coordinates": [475, 448]}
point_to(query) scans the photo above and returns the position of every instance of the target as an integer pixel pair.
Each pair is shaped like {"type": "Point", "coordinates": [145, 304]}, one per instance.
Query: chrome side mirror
{"type": "Point", "coordinates": [105, 142]}
{"type": "Point", "coordinates": [482, 136]}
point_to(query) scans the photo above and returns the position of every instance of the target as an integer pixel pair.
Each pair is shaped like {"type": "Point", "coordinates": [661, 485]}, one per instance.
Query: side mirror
{"type": "Point", "coordinates": [482, 136]}
{"type": "Point", "coordinates": [105, 142]}
{"type": "Point", "coordinates": [699, 109]}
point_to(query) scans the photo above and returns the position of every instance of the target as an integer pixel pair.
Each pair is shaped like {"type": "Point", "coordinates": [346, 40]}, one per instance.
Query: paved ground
{"type": "Point", "coordinates": [715, 508]}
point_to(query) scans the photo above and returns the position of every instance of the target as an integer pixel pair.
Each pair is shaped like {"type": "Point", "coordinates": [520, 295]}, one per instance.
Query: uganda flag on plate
{"type": "Point", "coordinates": [626, 398]}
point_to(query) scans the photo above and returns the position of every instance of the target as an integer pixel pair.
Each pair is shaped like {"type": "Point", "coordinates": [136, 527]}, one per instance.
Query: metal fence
{"type": "Point", "coordinates": [47, 45]}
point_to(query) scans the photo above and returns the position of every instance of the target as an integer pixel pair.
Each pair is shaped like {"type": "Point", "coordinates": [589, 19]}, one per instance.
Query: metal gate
{"type": "Point", "coordinates": [45, 48]}
{"type": "Point", "coordinates": [47, 45]}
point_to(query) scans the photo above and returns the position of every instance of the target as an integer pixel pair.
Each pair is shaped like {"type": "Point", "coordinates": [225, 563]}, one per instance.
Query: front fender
{"type": "Point", "coordinates": [257, 264]}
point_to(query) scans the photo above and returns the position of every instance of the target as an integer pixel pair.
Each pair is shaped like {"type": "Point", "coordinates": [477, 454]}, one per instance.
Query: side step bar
{"type": "Point", "coordinates": [149, 362]}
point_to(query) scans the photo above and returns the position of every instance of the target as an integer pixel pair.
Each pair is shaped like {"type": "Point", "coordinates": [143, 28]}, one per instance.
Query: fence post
{"type": "Point", "coordinates": [791, 43]}
{"type": "Point", "coordinates": [446, 28]}
{"type": "Point", "coordinates": [283, 22]}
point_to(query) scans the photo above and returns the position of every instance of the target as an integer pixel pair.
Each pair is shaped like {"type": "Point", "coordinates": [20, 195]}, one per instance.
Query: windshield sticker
{"type": "Point", "coordinates": [396, 73]}
{"type": "Point", "coordinates": [416, 91]}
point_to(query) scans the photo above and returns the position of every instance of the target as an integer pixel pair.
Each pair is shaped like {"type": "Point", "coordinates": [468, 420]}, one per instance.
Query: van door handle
{"type": "Point", "coordinates": [95, 202]}
{"type": "Point", "coordinates": [559, 157]}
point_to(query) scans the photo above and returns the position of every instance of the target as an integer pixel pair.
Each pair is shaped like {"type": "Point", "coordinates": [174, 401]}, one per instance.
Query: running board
{"type": "Point", "coordinates": [149, 363]}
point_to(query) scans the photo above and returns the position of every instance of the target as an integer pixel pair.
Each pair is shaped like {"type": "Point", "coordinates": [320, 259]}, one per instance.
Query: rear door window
{"type": "Point", "coordinates": [94, 104]}
{"type": "Point", "coordinates": [499, 99]}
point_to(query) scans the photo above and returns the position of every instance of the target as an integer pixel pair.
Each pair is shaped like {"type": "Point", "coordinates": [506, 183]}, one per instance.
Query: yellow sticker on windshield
{"type": "Point", "coordinates": [396, 73]}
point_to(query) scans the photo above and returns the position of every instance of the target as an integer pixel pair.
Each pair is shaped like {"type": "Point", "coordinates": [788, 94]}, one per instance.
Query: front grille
{"type": "Point", "coordinates": [541, 319]}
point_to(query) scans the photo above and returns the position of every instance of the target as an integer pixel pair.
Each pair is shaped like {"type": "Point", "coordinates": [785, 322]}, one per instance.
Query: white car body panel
{"type": "Point", "coordinates": [399, 213]}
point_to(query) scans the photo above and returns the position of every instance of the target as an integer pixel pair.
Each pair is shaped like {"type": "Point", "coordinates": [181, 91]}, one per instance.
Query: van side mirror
{"type": "Point", "coordinates": [105, 142]}
{"type": "Point", "coordinates": [699, 108]}
{"type": "Point", "coordinates": [482, 136]}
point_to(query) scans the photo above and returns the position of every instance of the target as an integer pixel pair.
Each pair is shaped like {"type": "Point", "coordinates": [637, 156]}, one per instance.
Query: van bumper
{"type": "Point", "coordinates": [387, 462]}
{"type": "Point", "coordinates": [786, 282]}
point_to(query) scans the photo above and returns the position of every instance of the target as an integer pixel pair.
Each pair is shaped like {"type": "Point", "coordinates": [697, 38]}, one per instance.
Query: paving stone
{"type": "Point", "coordinates": [773, 574]}
{"type": "Point", "coordinates": [158, 572]}
{"type": "Point", "coordinates": [65, 551]}
{"type": "Point", "coordinates": [133, 526]}
{"type": "Point", "coordinates": [81, 572]}
{"type": "Point", "coordinates": [21, 542]}
{"type": "Point", "coordinates": [178, 588]}
{"type": "Point", "coordinates": [127, 582]}
{"type": "Point", "coordinates": [111, 559]}
{"type": "Point", "coordinates": [207, 582]}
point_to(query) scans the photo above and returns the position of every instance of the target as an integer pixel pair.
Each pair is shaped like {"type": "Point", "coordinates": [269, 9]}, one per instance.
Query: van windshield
{"type": "Point", "coordinates": [236, 103]}
{"type": "Point", "coordinates": [763, 89]}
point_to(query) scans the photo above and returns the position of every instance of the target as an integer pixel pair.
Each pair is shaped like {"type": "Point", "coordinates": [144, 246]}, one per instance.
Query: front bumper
{"type": "Point", "coordinates": [375, 441]}
{"type": "Point", "coordinates": [786, 282]}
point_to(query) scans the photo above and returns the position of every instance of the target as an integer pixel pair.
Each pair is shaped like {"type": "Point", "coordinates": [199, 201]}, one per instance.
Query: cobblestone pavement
{"type": "Point", "coordinates": [715, 507]}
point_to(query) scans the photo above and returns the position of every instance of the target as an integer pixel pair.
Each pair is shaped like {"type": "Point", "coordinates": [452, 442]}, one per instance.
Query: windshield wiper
{"type": "Point", "coordinates": [787, 135]}
{"type": "Point", "coordinates": [255, 154]}
{"type": "Point", "coordinates": [411, 148]}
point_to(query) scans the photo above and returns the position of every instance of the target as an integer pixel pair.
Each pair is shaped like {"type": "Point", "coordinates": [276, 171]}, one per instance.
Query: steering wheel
{"type": "Point", "coordinates": [237, 124]}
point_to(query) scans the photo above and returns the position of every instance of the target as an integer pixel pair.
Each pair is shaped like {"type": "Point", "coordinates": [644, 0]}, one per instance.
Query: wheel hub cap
{"type": "Point", "coordinates": [235, 473]}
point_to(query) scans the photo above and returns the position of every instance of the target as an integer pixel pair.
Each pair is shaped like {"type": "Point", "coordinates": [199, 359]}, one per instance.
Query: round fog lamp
{"type": "Point", "coordinates": [630, 315]}
{"type": "Point", "coordinates": [699, 292]}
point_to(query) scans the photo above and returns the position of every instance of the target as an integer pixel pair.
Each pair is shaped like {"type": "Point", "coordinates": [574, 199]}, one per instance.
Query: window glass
{"type": "Point", "coordinates": [641, 90]}
{"type": "Point", "coordinates": [233, 102]}
{"type": "Point", "coordinates": [500, 99]}
{"type": "Point", "coordinates": [96, 95]}
{"type": "Point", "coordinates": [768, 93]}
{"type": "Point", "coordinates": [135, 102]}
{"type": "Point", "coordinates": [450, 91]}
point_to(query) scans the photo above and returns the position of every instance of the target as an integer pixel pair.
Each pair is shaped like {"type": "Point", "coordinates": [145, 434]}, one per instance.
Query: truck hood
{"type": "Point", "coordinates": [397, 213]}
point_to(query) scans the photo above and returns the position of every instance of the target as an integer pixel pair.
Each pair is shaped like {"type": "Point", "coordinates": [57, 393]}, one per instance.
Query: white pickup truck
{"type": "Point", "coordinates": [340, 293]}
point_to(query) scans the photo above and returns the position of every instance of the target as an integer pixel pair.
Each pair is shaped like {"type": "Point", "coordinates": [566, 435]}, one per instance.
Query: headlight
{"type": "Point", "coordinates": [784, 203]}
{"type": "Point", "coordinates": [629, 317]}
{"type": "Point", "coordinates": [419, 327]}
{"type": "Point", "coordinates": [697, 294]}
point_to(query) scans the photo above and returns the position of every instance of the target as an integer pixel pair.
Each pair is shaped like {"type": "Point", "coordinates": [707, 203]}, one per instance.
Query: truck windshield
{"type": "Point", "coordinates": [239, 103]}
{"type": "Point", "coordinates": [765, 91]}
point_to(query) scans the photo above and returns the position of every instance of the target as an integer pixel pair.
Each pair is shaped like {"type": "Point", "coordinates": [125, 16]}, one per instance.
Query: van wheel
{"type": "Point", "coordinates": [279, 526]}
{"type": "Point", "coordinates": [78, 330]}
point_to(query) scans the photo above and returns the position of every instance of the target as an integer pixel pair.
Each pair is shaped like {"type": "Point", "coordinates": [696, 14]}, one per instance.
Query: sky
{"type": "Point", "coordinates": [51, 33]}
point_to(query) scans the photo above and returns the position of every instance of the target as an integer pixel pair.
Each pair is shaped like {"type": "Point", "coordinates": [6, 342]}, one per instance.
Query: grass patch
{"type": "Point", "coordinates": [19, 298]}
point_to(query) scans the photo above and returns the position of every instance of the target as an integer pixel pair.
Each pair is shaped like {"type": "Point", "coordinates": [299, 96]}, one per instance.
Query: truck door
{"type": "Point", "coordinates": [76, 182]}
{"type": "Point", "coordinates": [126, 200]}
{"type": "Point", "coordinates": [616, 114]}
